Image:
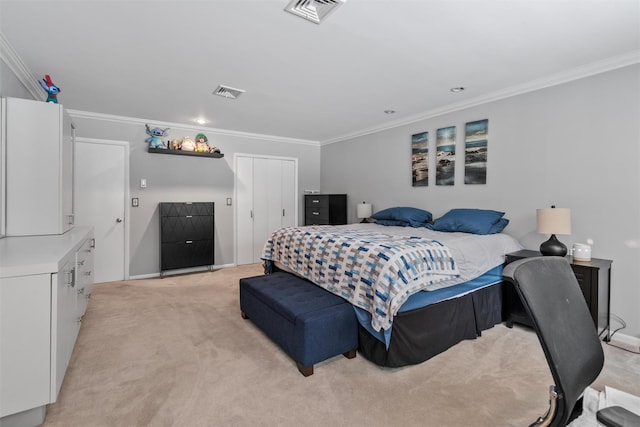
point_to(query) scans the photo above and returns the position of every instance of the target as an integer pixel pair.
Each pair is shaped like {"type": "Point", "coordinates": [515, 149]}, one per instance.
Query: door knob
{"type": "Point", "coordinates": [118, 219]}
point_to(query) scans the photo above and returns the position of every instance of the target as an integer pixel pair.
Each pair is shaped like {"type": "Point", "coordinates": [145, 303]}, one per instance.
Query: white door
{"type": "Point", "coordinates": [101, 201]}
{"type": "Point", "coordinates": [244, 210]}
{"type": "Point", "coordinates": [289, 181]}
{"type": "Point", "coordinates": [266, 190]}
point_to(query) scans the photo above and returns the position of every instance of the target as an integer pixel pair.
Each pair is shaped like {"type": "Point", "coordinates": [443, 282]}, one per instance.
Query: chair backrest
{"type": "Point", "coordinates": [554, 302]}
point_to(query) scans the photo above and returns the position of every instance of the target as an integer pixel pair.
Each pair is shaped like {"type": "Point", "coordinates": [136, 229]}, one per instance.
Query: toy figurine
{"type": "Point", "coordinates": [202, 145]}
{"type": "Point", "coordinates": [51, 89]}
{"type": "Point", "coordinates": [155, 135]}
{"type": "Point", "coordinates": [187, 144]}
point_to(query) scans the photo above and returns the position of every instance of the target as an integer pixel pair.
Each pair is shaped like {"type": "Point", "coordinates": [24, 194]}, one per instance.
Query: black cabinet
{"type": "Point", "coordinates": [325, 209]}
{"type": "Point", "coordinates": [186, 235]}
{"type": "Point", "coordinates": [594, 279]}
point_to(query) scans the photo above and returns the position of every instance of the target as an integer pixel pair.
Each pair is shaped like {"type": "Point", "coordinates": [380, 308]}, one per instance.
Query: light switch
{"type": "Point", "coordinates": [143, 183]}
{"type": "Point", "coordinates": [135, 202]}
{"type": "Point", "coordinates": [228, 201]}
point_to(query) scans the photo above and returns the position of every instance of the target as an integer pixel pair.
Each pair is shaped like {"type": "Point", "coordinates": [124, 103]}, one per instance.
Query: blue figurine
{"type": "Point", "coordinates": [51, 89]}
{"type": "Point", "coordinates": [155, 135]}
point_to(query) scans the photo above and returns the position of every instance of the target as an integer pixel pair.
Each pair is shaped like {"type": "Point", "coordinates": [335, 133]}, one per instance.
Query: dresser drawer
{"type": "Point", "coordinates": [186, 209]}
{"type": "Point", "coordinates": [316, 217]}
{"type": "Point", "coordinates": [176, 229]}
{"type": "Point", "coordinates": [317, 201]}
{"type": "Point", "coordinates": [189, 253]}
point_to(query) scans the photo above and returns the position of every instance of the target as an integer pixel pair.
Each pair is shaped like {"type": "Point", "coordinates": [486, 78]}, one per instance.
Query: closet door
{"type": "Point", "coordinates": [244, 210]}
{"type": "Point", "coordinates": [263, 202]}
{"type": "Point", "coordinates": [288, 194]}
{"type": "Point", "coordinates": [266, 201]}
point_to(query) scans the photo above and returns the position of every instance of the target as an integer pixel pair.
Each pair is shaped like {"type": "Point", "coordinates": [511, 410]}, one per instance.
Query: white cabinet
{"type": "Point", "coordinates": [65, 319]}
{"type": "Point", "coordinates": [44, 285]}
{"type": "Point", "coordinates": [39, 139]}
{"type": "Point", "coordinates": [25, 342]}
{"type": "Point", "coordinates": [266, 195]}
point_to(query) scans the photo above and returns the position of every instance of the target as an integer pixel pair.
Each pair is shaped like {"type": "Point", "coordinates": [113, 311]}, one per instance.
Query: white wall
{"type": "Point", "coordinates": [575, 145]}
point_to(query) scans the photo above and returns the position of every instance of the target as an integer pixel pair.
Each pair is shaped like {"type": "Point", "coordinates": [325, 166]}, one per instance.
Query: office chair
{"type": "Point", "coordinates": [556, 307]}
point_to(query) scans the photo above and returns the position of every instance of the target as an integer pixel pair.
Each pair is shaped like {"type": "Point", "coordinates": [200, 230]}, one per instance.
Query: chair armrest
{"type": "Point", "coordinates": [616, 416]}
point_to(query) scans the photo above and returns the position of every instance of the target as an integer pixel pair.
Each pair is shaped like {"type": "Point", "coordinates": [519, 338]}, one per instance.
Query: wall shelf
{"type": "Point", "coordinates": [185, 153]}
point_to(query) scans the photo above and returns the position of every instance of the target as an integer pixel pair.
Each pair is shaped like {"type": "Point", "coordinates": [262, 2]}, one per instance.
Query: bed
{"type": "Point", "coordinates": [416, 290]}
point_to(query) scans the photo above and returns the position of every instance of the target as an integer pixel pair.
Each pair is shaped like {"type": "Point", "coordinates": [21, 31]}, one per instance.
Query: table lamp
{"type": "Point", "coordinates": [553, 221]}
{"type": "Point", "coordinates": [363, 211]}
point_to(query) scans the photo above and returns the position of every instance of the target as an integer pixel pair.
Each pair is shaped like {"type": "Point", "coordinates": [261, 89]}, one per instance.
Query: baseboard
{"type": "Point", "coordinates": [180, 271]}
{"type": "Point", "coordinates": [626, 342]}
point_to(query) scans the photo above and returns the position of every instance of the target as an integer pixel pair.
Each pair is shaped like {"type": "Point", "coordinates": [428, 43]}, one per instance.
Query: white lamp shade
{"type": "Point", "coordinates": [553, 220]}
{"type": "Point", "coordinates": [363, 210]}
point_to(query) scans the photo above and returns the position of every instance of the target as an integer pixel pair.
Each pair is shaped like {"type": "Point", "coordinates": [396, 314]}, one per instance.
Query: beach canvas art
{"type": "Point", "coordinates": [420, 159]}
{"type": "Point", "coordinates": [445, 155]}
{"type": "Point", "coordinates": [475, 152]}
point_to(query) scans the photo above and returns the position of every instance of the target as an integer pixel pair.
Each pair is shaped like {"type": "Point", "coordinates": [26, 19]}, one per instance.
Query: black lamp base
{"type": "Point", "coordinates": [553, 247]}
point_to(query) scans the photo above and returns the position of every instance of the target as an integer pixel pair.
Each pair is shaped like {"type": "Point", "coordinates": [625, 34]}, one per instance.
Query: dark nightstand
{"type": "Point", "coordinates": [594, 278]}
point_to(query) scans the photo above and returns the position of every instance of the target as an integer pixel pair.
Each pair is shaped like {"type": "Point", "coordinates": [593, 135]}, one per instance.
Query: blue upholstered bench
{"type": "Point", "coordinates": [309, 323]}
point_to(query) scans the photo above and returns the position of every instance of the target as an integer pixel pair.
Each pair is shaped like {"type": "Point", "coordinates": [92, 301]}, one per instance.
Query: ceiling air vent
{"type": "Point", "coordinates": [313, 10]}
{"type": "Point", "coordinates": [228, 92]}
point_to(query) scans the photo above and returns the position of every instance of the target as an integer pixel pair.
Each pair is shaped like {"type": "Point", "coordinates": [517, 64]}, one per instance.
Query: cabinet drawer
{"type": "Point", "coordinates": [84, 275]}
{"type": "Point", "coordinates": [316, 216]}
{"type": "Point", "coordinates": [186, 209]}
{"type": "Point", "coordinates": [177, 229]}
{"type": "Point", "coordinates": [316, 201]}
{"type": "Point", "coordinates": [189, 253]}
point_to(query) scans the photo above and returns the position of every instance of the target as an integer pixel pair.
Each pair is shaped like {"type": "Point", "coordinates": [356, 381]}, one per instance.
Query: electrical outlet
{"type": "Point", "coordinates": [135, 202]}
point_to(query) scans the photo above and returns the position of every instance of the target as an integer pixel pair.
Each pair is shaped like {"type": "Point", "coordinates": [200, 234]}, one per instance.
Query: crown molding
{"type": "Point", "coordinates": [215, 131]}
{"type": "Point", "coordinates": [587, 70]}
{"type": "Point", "coordinates": [10, 57]}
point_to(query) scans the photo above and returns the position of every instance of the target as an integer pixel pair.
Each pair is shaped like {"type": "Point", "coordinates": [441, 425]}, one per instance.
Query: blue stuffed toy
{"type": "Point", "coordinates": [155, 135]}
{"type": "Point", "coordinates": [51, 89]}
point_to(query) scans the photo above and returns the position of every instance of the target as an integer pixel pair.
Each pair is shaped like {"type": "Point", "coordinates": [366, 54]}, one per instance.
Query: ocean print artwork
{"type": "Point", "coordinates": [420, 159]}
{"type": "Point", "coordinates": [475, 152]}
{"type": "Point", "coordinates": [445, 155]}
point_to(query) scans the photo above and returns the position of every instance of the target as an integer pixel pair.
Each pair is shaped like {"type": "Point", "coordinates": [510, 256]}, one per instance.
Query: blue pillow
{"type": "Point", "coordinates": [401, 223]}
{"type": "Point", "coordinates": [498, 226]}
{"type": "Point", "coordinates": [476, 221]}
{"type": "Point", "coordinates": [392, 222]}
{"type": "Point", "coordinates": [414, 216]}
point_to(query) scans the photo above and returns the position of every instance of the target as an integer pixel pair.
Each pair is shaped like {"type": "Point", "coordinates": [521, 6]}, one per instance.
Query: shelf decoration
{"type": "Point", "coordinates": [186, 147]}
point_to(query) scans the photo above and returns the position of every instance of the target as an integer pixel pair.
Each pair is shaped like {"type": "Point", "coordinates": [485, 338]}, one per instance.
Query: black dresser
{"type": "Point", "coordinates": [325, 209]}
{"type": "Point", "coordinates": [186, 235]}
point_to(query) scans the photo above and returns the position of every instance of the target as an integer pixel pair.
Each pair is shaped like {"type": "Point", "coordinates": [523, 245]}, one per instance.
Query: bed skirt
{"type": "Point", "coordinates": [447, 323]}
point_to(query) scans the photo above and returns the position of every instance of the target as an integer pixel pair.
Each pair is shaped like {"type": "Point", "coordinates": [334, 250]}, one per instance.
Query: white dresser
{"type": "Point", "coordinates": [45, 282]}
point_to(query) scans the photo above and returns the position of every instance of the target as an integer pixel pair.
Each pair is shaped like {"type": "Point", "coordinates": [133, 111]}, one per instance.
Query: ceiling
{"type": "Point", "coordinates": [161, 60]}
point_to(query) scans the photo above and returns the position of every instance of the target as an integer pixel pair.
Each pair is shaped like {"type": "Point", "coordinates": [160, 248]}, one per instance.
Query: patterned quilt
{"type": "Point", "coordinates": [373, 271]}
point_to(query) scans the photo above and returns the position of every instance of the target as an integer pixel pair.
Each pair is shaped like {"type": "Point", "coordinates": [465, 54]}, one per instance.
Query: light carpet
{"type": "Point", "coordinates": [176, 352]}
